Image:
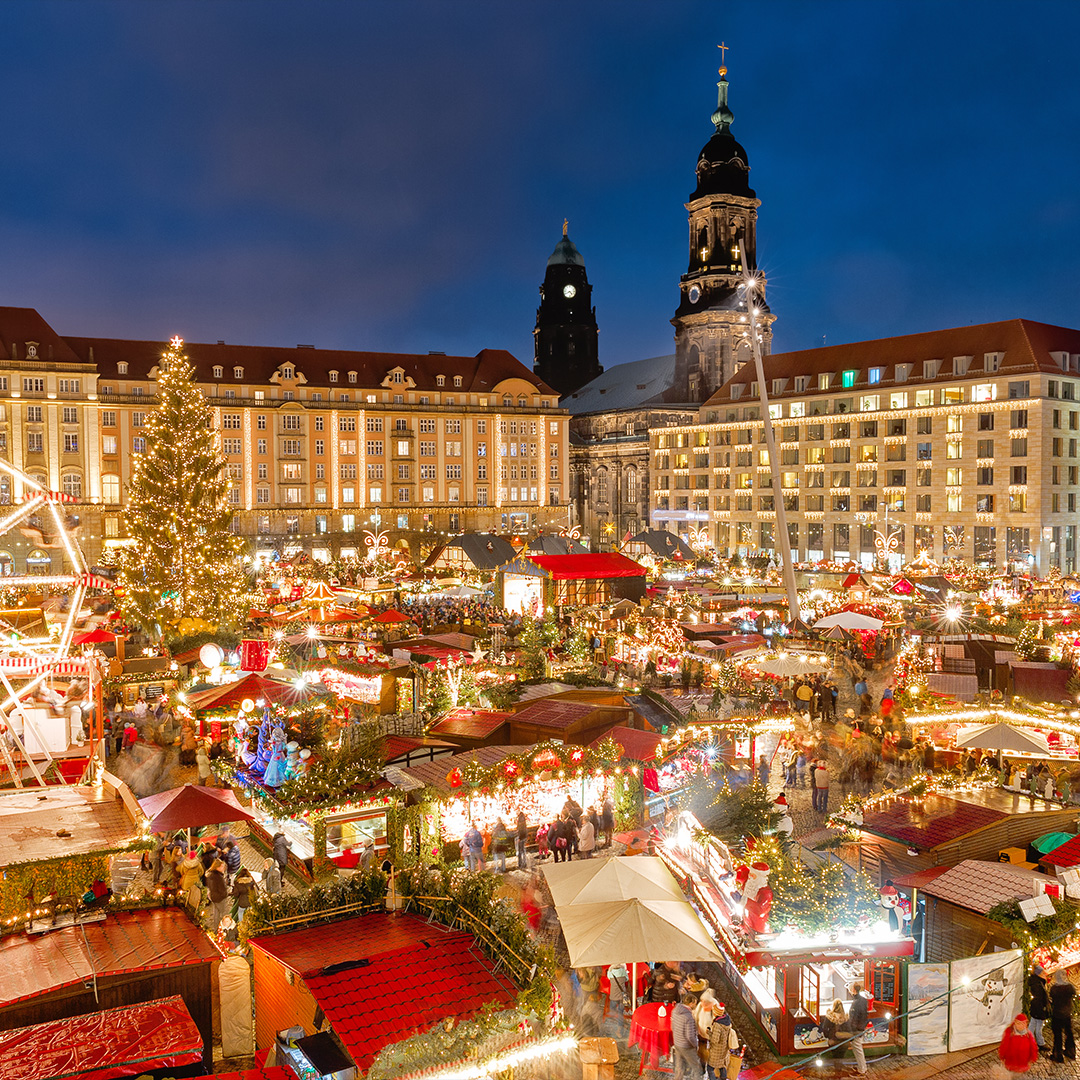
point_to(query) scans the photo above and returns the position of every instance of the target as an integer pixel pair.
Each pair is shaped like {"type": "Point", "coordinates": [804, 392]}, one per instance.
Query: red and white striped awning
{"type": "Point", "coordinates": [93, 581]}
{"type": "Point", "coordinates": [27, 667]}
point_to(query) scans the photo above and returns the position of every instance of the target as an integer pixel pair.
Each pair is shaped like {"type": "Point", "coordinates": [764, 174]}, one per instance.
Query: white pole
{"type": "Point", "coordinates": [751, 284]}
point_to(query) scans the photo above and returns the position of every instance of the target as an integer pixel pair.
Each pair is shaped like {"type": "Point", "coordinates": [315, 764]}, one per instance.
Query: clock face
{"type": "Point", "coordinates": [569, 292]}
{"type": "Point", "coordinates": [694, 294]}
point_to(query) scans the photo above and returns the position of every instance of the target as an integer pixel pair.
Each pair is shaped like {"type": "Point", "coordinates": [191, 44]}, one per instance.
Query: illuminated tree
{"type": "Point", "coordinates": [183, 574]}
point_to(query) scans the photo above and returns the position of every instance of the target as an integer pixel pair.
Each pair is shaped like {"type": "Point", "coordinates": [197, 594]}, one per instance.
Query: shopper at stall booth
{"type": "Point", "coordinates": [281, 851]}
{"type": "Point", "coordinates": [1018, 1050]}
{"type": "Point", "coordinates": [473, 847]}
{"type": "Point", "coordinates": [271, 877]}
{"type": "Point", "coordinates": [723, 1042]}
{"type": "Point", "coordinates": [586, 838]}
{"type": "Point", "coordinates": [607, 820]}
{"type": "Point", "coordinates": [1040, 1004]}
{"type": "Point", "coordinates": [191, 873]}
{"type": "Point", "coordinates": [500, 845]}
{"type": "Point", "coordinates": [1062, 993]}
{"type": "Point", "coordinates": [521, 837]}
{"type": "Point", "coordinates": [684, 1039]}
{"type": "Point", "coordinates": [858, 1018]}
{"type": "Point", "coordinates": [832, 1023]}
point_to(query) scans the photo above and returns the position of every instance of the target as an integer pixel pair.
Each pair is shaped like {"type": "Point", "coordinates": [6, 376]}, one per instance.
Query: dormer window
{"type": "Point", "coordinates": [901, 372]}
{"type": "Point", "coordinates": [457, 380]}
{"type": "Point", "coordinates": [352, 377]}
{"type": "Point", "coordinates": [823, 382]}
{"type": "Point", "coordinates": [398, 377]}
{"type": "Point", "coordinates": [121, 368]}
{"type": "Point", "coordinates": [333, 376]}
{"type": "Point", "coordinates": [218, 371]}
{"type": "Point", "coordinates": [440, 380]}
{"type": "Point", "coordinates": [237, 372]}
{"type": "Point", "coordinates": [874, 375]}
{"type": "Point", "coordinates": [288, 372]}
{"type": "Point", "coordinates": [507, 400]}
{"type": "Point", "coordinates": [521, 402]}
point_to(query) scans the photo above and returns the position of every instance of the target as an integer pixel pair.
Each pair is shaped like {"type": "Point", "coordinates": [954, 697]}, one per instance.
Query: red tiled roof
{"type": "Point", "coordinates": [416, 975]}
{"type": "Point", "coordinates": [1065, 856]}
{"type": "Point", "coordinates": [126, 942]}
{"type": "Point", "coordinates": [920, 878]}
{"type": "Point", "coordinates": [555, 714]}
{"type": "Point", "coordinates": [103, 1045]}
{"type": "Point", "coordinates": [978, 885]}
{"type": "Point", "coordinates": [929, 822]}
{"type": "Point", "coordinates": [592, 566]}
{"type": "Point", "coordinates": [469, 725]}
{"type": "Point", "coordinates": [636, 745]}
{"type": "Point", "coordinates": [1026, 346]}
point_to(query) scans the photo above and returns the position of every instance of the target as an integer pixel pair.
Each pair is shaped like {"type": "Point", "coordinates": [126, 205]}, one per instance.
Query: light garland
{"type": "Point", "coordinates": [506, 1060]}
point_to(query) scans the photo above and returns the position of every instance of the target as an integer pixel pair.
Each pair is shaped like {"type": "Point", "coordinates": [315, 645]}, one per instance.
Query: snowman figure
{"type": "Point", "coordinates": [302, 762]}
{"type": "Point", "coordinates": [292, 750]}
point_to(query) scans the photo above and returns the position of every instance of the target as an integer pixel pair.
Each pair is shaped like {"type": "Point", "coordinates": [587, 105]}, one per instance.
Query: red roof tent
{"type": "Point", "coordinates": [592, 566]}
{"type": "Point", "coordinates": [126, 942]}
{"type": "Point", "coordinates": [417, 975]}
{"type": "Point", "coordinates": [107, 1045]}
{"type": "Point", "coordinates": [919, 878]}
{"type": "Point", "coordinates": [636, 745]}
{"type": "Point", "coordinates": [555, 714]}
{"type": "Point", "coordinates": [469, 723]}
{"type": "Point", "coordinates": [391, 616]}
{"type": "Point", "coordinates": [191, 807]}
{"type": "Point", "coordinates": [252, 686]}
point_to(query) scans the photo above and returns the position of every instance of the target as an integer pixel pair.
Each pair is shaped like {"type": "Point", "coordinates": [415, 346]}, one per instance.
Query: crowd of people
{"type": "Point", "coordinates": [576, 831]}
{"type": "Point", "coordinates": [211, 872]}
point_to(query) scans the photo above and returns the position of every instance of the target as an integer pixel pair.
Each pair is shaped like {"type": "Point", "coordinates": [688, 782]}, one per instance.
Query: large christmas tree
{"type": "Point", "coordinates": [184, 573]}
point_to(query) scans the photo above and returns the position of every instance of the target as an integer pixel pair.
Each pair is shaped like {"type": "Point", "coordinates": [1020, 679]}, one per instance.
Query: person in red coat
{"type": "Point", "coordinates": [1018, 1050]}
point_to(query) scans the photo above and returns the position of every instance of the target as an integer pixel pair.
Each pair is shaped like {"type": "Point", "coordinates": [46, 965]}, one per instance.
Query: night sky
{"type": "Point", "coordinates": [393, 176]}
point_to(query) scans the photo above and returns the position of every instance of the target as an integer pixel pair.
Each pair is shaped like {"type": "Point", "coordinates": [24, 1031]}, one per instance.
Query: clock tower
{"type": "Point", "coordinates": [711, 323]}
{"type": "Point", "coordinates": [566, 335]}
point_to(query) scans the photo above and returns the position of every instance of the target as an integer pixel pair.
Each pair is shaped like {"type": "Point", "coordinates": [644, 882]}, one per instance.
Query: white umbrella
{"type": "Point", "coordinates": [614, 913]}
{"type": "Point", "coordinates": [1004, 738]}
{"type": "Point", "coordinates": [849, 620]}
{"type": "Point", "coordinates": [789, 663]}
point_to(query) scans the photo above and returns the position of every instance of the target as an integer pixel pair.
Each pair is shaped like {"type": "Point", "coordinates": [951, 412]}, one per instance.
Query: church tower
{"type": "Point", "coordinates": [711, 324]}
{"type": "Point", "coordinates": [566, 337]}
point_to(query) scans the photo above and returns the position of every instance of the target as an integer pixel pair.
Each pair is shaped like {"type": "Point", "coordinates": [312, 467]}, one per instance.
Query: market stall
{"type": "Point", "coordinates": [788, 979]}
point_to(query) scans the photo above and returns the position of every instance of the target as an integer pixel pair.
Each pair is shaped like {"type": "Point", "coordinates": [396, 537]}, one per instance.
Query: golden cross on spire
{"type": "Point", "coordinates": [565, 225]}
{"type": "Point", "coordinates": [723, 57]}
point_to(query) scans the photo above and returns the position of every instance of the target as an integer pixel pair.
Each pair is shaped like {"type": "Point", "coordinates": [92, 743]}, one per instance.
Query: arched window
{"type": "Point", "coordinates": [631, 486]}
{"type": "Point", "coordinates": [238, 372]}
{"type": "Point", "coordinates": [601, 485]}
{"type": "Point", "coordinates": [38, 561]}
{"type": "Point", "coordinates": [7, 564]}
{"type": "Point", "coordinates": [333, 376]}
{"type": "Point", "coordinates": [110, 488]}
{"type": "Point", "coordinates": [72, 484]}
{"type": "Point", "coordinates": [218, 371]}
{"type": "Point", "coordinates": [352, 376]}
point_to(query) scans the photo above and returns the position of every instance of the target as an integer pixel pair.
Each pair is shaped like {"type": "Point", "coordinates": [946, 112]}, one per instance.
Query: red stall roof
{"type": "Point", "coordinates": [416, 975]}
{"type": "Point", "coordinates": [126, 942]}
{"type": "Point", "coordinates": [104, 1045]}
{"type": "Point", "coordinates": [1065, 856]}
{"type": "Point", "coordinates": [636, 745]}
{"type": "Point", "coordinates": [593, 566]}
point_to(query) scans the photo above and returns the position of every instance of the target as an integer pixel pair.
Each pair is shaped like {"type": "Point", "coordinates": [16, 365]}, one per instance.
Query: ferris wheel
{"type": "Point", "coordinates": [37, 513]}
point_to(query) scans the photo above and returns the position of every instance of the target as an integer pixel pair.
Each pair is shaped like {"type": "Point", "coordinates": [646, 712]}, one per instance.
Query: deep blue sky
{"type": "Point", "coordinates": [393, 175]}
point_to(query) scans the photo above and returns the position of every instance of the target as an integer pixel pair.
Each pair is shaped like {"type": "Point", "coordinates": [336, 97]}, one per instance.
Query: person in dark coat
{"type": "Point", "coordinates": [232, 858]}
{"type": "Point", "coordinates": [556, 838]}
{"type": "Point", "coordinates": [244, 891]}
{"type": "Point", "coordinates": [1062, 993]}
{"type": "Point", "coordinates": [607, 820]}
{"type": "Point", "coordinates": [1040, 1004]}
{"type": "Point", "coordinates": [219, 894]}
{"type": "Point", "coordinates": [521, 836]}
{"type": "Point", "coordinates": [281, 851]}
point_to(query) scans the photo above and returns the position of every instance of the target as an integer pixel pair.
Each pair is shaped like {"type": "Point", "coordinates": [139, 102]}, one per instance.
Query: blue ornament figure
{"type": "Point", "coordinates": [265, 749]}
{"type": "Point", "coordinates": [275, 770]}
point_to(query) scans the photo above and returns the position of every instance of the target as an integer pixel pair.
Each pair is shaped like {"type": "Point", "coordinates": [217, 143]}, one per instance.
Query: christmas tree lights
{"type": "Point", "coordinates": [183, 574]}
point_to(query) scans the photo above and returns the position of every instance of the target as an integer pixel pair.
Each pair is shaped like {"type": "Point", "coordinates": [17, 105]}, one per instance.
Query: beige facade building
{"type": "Point", "coordinates": [961, 443]}
{"type": "Point", "coordinates": [322, 446]}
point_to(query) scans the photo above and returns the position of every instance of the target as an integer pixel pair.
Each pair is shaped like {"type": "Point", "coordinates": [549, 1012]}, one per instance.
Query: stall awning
{"type": "Point", "coordinates": [595, 566]}
{"type": "Point", "coordinates": [105, 1045]}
